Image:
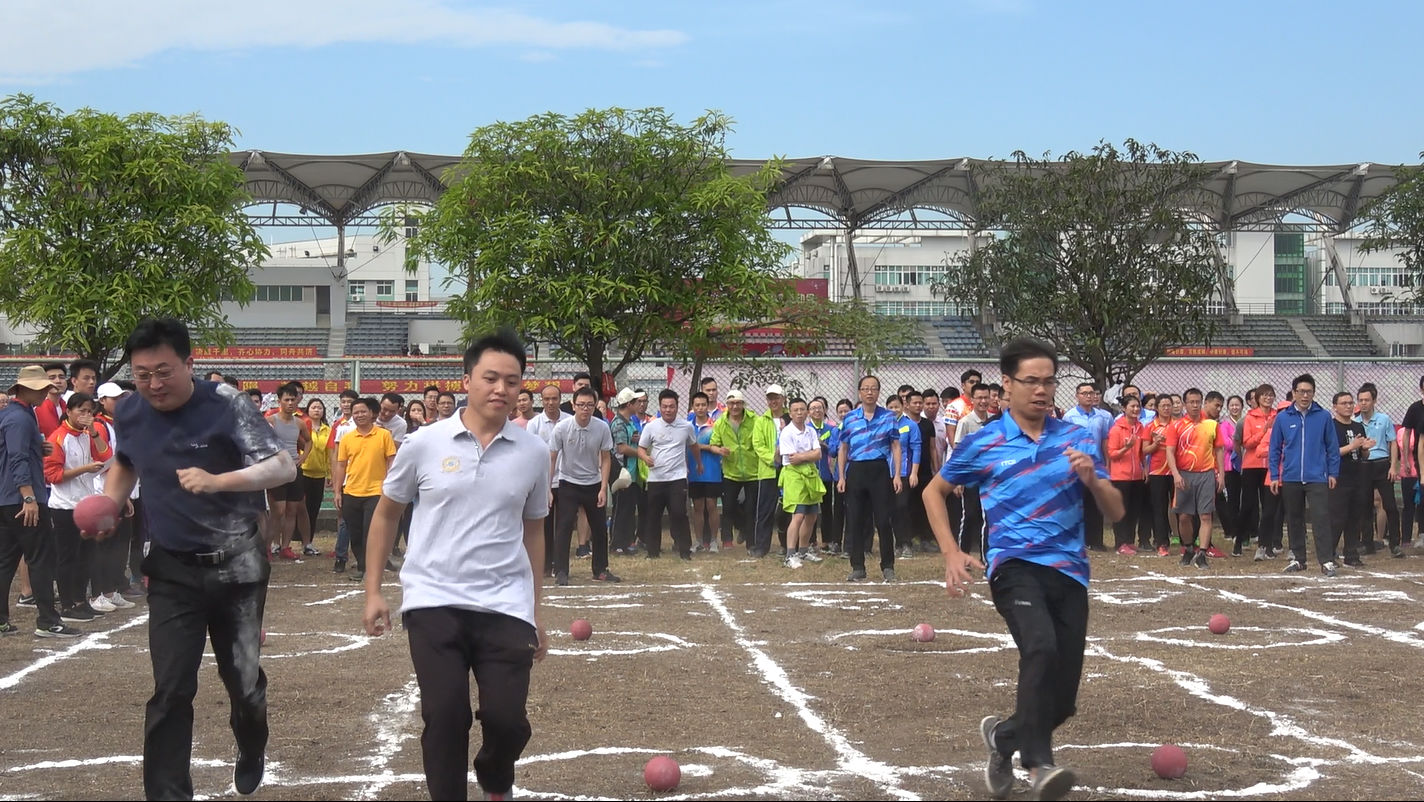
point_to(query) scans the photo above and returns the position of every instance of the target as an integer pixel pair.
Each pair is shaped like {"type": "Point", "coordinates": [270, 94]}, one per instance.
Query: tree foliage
{"type": "Point", "coordinates": [607, 233]}
{"type": "Point", "coordinates": [105, 220]}
{"type": "Point", "coordinates": [1095, 255]}
{"type": "Point", "coordinates": [1396, 222]}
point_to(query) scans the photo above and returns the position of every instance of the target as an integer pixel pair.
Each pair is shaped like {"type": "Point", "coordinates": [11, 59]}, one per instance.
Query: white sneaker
{"type": "Point", "coordinates": [812, 557]}
{"type": "Point", "coordinates": [118, 601]}
{"type": "Point", "coordinates": [793, 562]}
{"type": "Point", "coordinates": [715, 547]}
{"type": "Point", "coordinates": [102, 604]}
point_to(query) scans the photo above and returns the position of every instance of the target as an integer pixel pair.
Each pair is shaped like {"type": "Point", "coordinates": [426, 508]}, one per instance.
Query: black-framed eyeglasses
{"type": "Point", "coordinates": [1050, 383]}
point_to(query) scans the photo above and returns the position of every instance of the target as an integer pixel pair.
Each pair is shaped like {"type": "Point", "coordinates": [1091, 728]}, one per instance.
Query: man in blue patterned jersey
{"type": "Point", "coordinates": [868, 438]}
{"type": "Point", "coordinates": [1031, 471]}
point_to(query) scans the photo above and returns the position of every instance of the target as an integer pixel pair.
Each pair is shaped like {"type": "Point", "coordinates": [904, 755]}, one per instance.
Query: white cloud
{"type": "Point", "coordinates": [45, 39]}
{"type": "Point", "coordinates": [537, 56]}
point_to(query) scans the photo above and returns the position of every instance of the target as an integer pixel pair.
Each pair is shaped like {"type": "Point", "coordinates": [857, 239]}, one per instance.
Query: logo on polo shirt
{"type": "Point", "coordinates": [450, 465]}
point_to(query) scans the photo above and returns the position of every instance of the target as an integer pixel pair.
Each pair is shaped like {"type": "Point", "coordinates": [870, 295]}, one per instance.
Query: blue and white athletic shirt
{"type": "Point", "coordinates": [1032, 498]}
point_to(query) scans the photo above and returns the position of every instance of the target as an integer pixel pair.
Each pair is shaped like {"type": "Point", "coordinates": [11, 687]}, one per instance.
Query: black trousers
{"type": "Point", "coordinates": [1047, 613]}
{"type": "Point", "coordinates": [188, 604]}
{"type": "Point", "coordinates": [313, 491]}
{"type": "Point", "coordinates": [831, 522]}
{"type": "Point", "coordinates": [672, 497]}
{"type": "Point", "coordinates": [1350, 509]}
{"type": "Point", "coordinates": [1253, 490]}
{"type": "Point", "coordinates": [1377, 477]}
{"type": "Point", "coordinates": [627, 513]}
{"type": "Point", "coordinates": [1295, 497]}
{"type": "Point", "coordinates": [768, 494]}
{"type": "Point", "coordinates": [75, 559]}
{"type": "Point", "coordinates": [569, 498]}
{"type": "Point", "coordinates": [36, 545]}
{"type": "Point", "coordinates": [1410, 515]}
{"type": "Point", "coordinates": [1092, 522]}
{"type": "Point", "coordinates": [971, 528]}
{"type": "Point", "coordinates": [108, 569]}
{"type": "Point", "coordinates": [138, 541]}
{"type": "Point", "coordinates": [1273, 516]}
{"type": "Point", "coordinates": [1135, 522]}
{"type": "Point", "coordinates": [1228, 506]}
{"type": "Point", "coordinates": [447, 645]}
{"type": "Point", "coordinates": [900, 519]}
{"type": "Point", "coordinates": [356, 511]}
{"type": "Point", "coordinates": [869, 496]}
{"type": "Point", "coordinates": [1159, 492]}
{"type": "Point", "coordinates": [737, 496]}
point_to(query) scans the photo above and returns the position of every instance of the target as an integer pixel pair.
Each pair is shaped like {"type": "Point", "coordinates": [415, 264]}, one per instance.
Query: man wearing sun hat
{"type": "Point", "coordinates": [24, 519]}
{"type": "Point", "coordinates": [627, 502]}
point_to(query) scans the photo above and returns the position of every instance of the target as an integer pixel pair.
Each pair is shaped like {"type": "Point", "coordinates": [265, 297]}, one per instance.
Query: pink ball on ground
{"type": "Point", "coordinates": [581, 629]}
{"type": "Point", "coordinates": [1219, 624]}
{"type": "Point", "coordinates": [662, 773]}
{"type": "Point", "coordinates": [1169, 761]}
{"type": "Point", "coordinates": [924, 633]}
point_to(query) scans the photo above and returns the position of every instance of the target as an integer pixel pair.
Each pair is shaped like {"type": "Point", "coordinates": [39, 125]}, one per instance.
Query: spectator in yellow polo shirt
{"type": "Point", "coordinates": [362, 459]}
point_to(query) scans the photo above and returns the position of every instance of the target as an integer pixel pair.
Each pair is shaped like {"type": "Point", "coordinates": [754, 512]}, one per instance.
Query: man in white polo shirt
{"type": "Point", "coordinates": [580, 451]}
{"type": "Point", "coordinates": [663, 448]}
{"type": "Point", "coordinates": [470, 599]}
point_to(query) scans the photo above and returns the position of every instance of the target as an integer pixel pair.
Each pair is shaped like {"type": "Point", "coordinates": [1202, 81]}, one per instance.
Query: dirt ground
{"type": "Point", "coordinates": [765, 682]}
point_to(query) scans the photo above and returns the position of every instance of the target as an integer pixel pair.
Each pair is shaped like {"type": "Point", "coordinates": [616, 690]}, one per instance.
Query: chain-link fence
{"type": "Point", "coordinates": [1397, 379]}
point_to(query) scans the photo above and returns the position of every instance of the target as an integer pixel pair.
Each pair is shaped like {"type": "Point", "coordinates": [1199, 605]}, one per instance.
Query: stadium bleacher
{"type": "Point", "coordinates": [959, 336]}
{"type": "Point", "coordinates": [1269, 335]}
{"type": "Point", "coordinates": [377, 335]}
{"type": "Point", "coordinates": [1339, 337]}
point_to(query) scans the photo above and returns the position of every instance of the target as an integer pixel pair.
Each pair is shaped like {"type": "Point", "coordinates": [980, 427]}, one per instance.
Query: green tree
{"type": "Point", "coordinates": [1396, 222]}
{"type": "Point", "coordinates": [604, 233]}
{"type": "Point", "coordinates": [105, 220]}
{"type": "Point", "coordinates": [1095, 253]}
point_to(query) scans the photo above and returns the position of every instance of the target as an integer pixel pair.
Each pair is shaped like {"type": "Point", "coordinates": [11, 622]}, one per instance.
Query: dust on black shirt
{"type": "Point", "coordinates": [218, 430]}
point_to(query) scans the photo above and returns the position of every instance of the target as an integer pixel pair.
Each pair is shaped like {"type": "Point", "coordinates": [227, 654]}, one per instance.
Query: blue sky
{"type": "Point", "coordinates": [1298, 82]}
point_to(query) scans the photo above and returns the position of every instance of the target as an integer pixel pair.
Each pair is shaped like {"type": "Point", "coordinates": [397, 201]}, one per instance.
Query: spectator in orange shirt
{"type": "Point", "coordinates": [1195, 446]}
{"type": "Point", "coordinates": [1128, 444]}
{"type": "Point", "coordinates": [1159, 478]}
{"type": "Point", "coordinates": [51, 412]}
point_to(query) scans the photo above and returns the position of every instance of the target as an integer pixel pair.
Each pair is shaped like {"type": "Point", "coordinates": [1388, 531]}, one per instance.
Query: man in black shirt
{"type": "Point", "coordinates": [1414, 421]}
{"type": "Point", "coordinates": [1350, 498]}
{"type": "Point", "coordinates": [205, 456]}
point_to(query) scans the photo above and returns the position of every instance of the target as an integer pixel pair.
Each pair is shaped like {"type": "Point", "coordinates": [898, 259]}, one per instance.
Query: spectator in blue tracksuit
{"type": "Point", "coordinates": [908, 431]}
{"type": "Point", "coordinates": [832, 521]}
{"type": "Point", "coordinates": [1302, 467]}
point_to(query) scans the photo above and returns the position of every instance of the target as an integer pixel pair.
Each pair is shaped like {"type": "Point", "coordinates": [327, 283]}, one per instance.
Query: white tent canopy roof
{"type": "Point", "coordinates": [840, 192]}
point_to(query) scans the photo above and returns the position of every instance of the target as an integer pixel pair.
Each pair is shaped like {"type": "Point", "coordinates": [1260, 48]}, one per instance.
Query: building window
{"type": "Point", "coordinates": [266, 292]}
{"type": "Point", "coordinates": [412, 289]}
{"type": "Point", "coordinates": [385, 289]}
{"type": "Point", "coordinates": [358, 292]}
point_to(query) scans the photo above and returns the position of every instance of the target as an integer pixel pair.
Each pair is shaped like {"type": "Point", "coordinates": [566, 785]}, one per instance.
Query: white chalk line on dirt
{"type": "Point", "coordinates": [1318, 637]}
{"type": "Point", "coordinates": [1301, 775]}
{"type": "Point", "coordinates": [334, 599]}
{"type": "Point", "coordinates": [96, 641]}
{"type": "Point", "coordinates": [391, 720]}
{"type": "Point", "coordinates": [783, 782]}
{"type": "Point", "coordinates": [1281, 725]}
{"type": "Point", "coordinates": [774, 676]}
{"type": "Point", "coordinates": [669, 643]}
{"type": "Point", "coordinates": [1402, 638]}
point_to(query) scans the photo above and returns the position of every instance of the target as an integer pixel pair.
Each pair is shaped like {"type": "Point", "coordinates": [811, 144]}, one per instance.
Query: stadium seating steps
{"type": "Point", "coordinates": [377, 335]}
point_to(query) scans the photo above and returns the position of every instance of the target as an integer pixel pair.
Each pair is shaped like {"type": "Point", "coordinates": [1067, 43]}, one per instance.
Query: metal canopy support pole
{"type": "Point", "coordinates": [851, 265]}
{"type": "Point", "coordinates": [1342, 276]}
{"type": "Point", "coordinates": [1228, 292]}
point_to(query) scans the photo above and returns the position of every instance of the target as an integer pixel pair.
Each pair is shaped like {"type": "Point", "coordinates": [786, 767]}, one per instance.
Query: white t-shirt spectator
{"type": "Point", "coordinates": [667, 444]}
{"type": "Point", "coordinates": [579, 448]}
{"type": "Point", "coordinates": [794, 442]}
